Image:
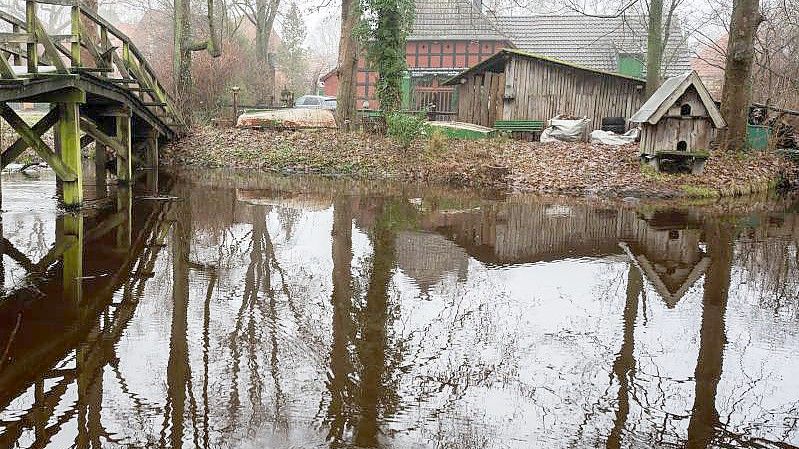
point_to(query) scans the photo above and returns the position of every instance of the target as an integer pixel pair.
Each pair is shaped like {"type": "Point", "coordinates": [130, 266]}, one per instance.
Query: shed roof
{"type": "Point", "coordinates": [592, 41]}
{"type": "Point", "coordinates": [669, 92]}
{"type": "Point", "coordinates": [453, 20]}
{"type": "Point", "coordinates": [497, 63]}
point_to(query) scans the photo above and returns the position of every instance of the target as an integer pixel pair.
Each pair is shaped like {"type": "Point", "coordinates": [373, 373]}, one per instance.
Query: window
{"type": "Point", "coordinates": [685, 110]}
{"type": "Point", "coordinates": [682, 146]}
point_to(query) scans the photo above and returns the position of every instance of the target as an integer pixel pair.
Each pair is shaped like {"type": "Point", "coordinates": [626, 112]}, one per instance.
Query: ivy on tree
{"type": "Point", "coordinates": [385, 27]}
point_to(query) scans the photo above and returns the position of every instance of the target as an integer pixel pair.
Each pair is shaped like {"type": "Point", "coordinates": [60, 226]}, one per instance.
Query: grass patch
{"type": "Point", "coordinates": [651, 173]}
{"type": "Point", "coordinates": [699, 191]}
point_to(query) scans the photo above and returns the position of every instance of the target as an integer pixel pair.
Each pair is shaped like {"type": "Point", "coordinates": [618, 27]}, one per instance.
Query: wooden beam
{"type": "Point", "coordinates": [78, 31]}
{"type": "Point", "coordinates": [33, 140]}
{"type": "Point", "coordinates": [65, 95]}
{"type": "Point", "coordinates": [16, 38]}
{"type": "Point", "coordinates": [120, 65]}
{"type": "Point", "coordinates": [6, 17]}
{"type": "Point", "coordinates": [30, 25]}
{"type": "Point", "coordinates": [69, 137]}
{"type": "Point", "coordinates": [52, 256]}
{"type": "Point", "coordinates": [57, 2]}
{"type": "Point", "coordinates": [123, 80]}
{"type": "Point", "coordinates": [110, 111]}
{"type": "Point", "coordinates": [12, 152]}
{"type": "Point", "coordinates": [11, 251]}
{"type": "Point", "coordinates": [49, 48]}
{"type": "Point", "coordinates": [100, 70]}
{"type": "Point", "coordinates": [6, 71]}
{"type": "Point", "coordinates": [92, 129]}
{"type": "Point", "coordinates": [124, 157]}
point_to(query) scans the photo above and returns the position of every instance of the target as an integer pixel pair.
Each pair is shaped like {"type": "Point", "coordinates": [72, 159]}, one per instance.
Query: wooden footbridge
{"type": "Point", "coordinates": [99, 86]}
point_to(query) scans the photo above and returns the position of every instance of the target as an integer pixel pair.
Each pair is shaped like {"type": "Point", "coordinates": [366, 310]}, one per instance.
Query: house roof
{"type": "Point", "coordinates": [669, 92]}
{"type": "Point", "coordinates": [453, 20]}
{"type": "Point", "coordinates": [497, 63]}
{"type": "Point", "coordinates": [592, 41]}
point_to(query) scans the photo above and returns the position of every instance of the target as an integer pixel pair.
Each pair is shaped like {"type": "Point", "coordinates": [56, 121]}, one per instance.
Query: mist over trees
{"type": "Point", "coordinates": [203, 49]}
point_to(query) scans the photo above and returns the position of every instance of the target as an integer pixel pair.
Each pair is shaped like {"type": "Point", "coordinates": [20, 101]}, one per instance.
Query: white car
{"type": "Point", "coordinates": [315, 102]}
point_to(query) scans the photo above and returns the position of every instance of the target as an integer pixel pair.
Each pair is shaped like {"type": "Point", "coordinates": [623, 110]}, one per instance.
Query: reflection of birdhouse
{"type": "Point", "coordinates": [678, 124]}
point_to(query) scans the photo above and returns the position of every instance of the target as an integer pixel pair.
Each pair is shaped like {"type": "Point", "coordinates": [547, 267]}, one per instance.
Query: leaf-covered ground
{"type": "Point", "coordinates": [573, 168]}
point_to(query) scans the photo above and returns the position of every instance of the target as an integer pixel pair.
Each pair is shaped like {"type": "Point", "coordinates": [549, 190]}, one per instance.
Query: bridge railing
{"type": "Point", "coordinates": [93, 46]}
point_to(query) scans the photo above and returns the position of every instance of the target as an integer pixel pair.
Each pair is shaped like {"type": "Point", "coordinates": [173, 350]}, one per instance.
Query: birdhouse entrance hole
{"type": "Point", "coordinates": [682, 146]}
{"type": "Point", "coordinates": [685, 110]}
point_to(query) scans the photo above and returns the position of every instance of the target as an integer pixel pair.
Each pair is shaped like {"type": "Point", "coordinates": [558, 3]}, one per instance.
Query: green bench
{"type": "Point", "coordinates": [519, 126]}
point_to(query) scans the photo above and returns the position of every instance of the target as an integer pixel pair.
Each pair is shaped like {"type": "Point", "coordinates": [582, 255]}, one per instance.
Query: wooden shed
{"type": "Point", "coordinates": [679, 122]}
{"type": "Point", "coordinates": [516, 85]}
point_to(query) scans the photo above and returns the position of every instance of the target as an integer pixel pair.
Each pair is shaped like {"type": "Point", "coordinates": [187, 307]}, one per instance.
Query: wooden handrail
{"type": "Point", "coordinates": [125, 56]}
{"type": "Point", "coordinates": [6, 17]}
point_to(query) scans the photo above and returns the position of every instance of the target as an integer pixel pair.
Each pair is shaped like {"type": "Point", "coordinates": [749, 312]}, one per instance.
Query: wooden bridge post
{"type": "Point", "coordinates": [152, 149]}
{"type": "Point", "coordinates": [124, 160]}
{"type": "Point", "coordinates": [100, 160]}
{"type": "Point", "coordinates": [73, 257]}
{"type": "Point", "coordinates": [69, 141]}
{"type": "Point", "coordinates": [124, 237]}
{"type": "Point", "coordinates": [32, 46]}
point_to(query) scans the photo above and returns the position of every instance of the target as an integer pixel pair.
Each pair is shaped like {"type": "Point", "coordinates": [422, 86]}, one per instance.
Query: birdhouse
{"type": "Point", "coordinates": [679, 122]}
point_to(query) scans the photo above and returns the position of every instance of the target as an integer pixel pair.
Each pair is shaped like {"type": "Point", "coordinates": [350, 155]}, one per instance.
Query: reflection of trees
{"type": "Point", "coordinates": [361, 362]}
{"type": "Point", "coordinates": [341, 364]}
{"type": "Point", "coordinates": [712, 336]}
{"type": "Point", "coordinates": [178, 370]}
{"type": "Point", "coordinates": [256, 328]}
{"type": "Point", "coordinates": [624, 365]}
{"type": "Point", "coordinates": [770, 256]}
{"type": "Point", "coordinates": [374, 323]}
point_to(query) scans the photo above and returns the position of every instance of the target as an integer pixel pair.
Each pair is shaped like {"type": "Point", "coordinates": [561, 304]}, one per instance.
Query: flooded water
{"type": "Point", "coordinates": [245, 310]}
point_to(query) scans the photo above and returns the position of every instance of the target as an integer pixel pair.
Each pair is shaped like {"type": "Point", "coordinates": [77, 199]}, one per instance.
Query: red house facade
{"type": "Point", "coordinates": [448, 36]}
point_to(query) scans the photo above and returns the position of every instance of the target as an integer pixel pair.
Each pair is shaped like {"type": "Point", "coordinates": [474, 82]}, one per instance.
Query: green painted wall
{"type": "Point", "coordinates": [631, 65]}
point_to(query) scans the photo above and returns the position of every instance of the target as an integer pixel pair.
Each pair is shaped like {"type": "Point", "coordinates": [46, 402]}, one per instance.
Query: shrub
{"type": "Point", "coordinates": [437, 141]}
{"type": "Point", "coordinates": [405, 128]}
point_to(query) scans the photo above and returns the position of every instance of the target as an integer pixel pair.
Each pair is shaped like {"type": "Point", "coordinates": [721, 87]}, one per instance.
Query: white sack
{"type": "Point", "coordinates": [561, 130]}
{"type": "Point", "coordinates": [611, 138]}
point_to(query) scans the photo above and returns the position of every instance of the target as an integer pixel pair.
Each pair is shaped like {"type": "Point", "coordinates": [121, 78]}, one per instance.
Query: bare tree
{"type": "Point", "coordinates": [184, 45]}
{"type": "Point", "coordinates": [348, 65]}
{"type": "Point", "coordinates": [261, 14]}
{"type": "Point", "coordinates": [659, 23]}
{"type": "Point", "coordinates": [737, 92]}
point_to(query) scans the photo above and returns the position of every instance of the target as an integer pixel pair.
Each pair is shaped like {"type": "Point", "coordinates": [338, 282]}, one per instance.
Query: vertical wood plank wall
{"type": "Point", "coordinates": [480, 98]}
{"type": "Point", "coordinates": [535, 89]}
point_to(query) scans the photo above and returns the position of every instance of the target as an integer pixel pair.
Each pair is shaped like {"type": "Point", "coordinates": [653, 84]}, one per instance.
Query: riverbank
{"type": "Point", "coordinates": [573, 168]}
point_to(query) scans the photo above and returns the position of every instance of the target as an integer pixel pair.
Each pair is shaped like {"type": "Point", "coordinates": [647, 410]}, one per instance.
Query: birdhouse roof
{"type": "Point", "coordinates": [667, 95]}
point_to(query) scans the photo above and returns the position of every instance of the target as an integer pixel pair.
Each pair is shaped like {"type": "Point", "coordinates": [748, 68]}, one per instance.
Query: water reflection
{"type": "Point", "coordinates": [246, 310]}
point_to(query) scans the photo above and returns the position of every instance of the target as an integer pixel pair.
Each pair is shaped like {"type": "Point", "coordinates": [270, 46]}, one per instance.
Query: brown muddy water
{"type": "Point", "coordinates": [244, 310]}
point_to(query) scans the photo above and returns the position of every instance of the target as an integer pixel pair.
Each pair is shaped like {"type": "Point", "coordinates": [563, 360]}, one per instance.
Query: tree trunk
{"type": "Point", "coordinates": [346, 95]}
{"type": "Point", "coordinates": [181, 57]}
{"type": "Point", "coordinates": [182, 48]}
{"type": "Point", "coordinates": [654, 46]}
{"type": "Point", "coordinates": [266, 11]}
{"type": "Point", "coordinates": [737, 92]}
